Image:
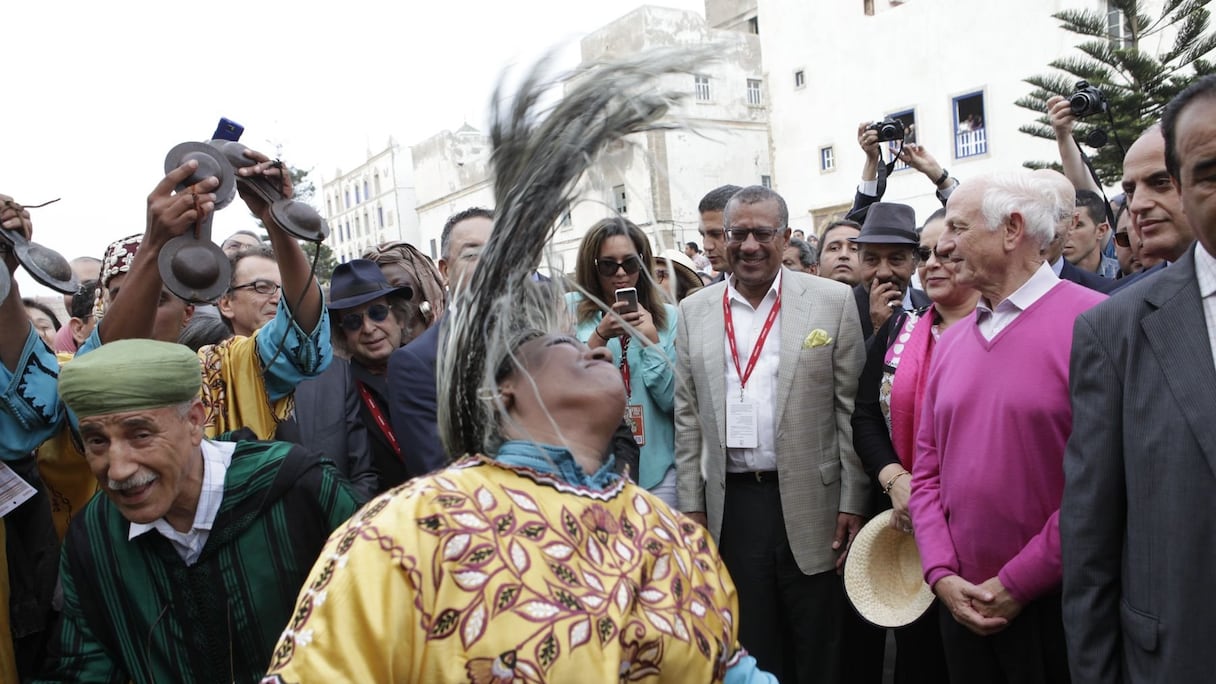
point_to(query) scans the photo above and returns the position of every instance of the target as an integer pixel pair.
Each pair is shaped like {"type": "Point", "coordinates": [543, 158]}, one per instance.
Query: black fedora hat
{"type": "Point", "coordinates": [359, 281]}
{"type": "Point", "coordinates": [888, 223]}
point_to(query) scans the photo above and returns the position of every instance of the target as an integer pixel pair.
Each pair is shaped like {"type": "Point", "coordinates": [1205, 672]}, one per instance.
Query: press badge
{"type": "Point", "coordinates": [14, 491]}
{"type": "Point", "coordinates": [637, 423]}
{"type": "Point", "coordinates": [741, 425]}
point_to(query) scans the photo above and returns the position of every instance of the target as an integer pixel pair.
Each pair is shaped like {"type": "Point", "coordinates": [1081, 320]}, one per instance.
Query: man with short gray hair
{"type": "Point", "coordinates": [996, 420]}
{"type": "Point", "coordinates": [767, 366]}
{"type": "Point", "coordinates": [799, 255]}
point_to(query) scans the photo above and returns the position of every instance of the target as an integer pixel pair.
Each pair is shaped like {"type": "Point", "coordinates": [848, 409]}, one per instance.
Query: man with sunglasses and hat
{"type": "Point", "coordinates": [368, 323]}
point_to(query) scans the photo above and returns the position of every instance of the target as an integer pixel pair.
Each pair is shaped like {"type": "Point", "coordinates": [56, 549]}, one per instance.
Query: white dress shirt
{"type": "Point", "coordinates": [216, 458]}
{"type": "Point", "coordinates": [870, 187]}
{"type": "Point", "coordinates": [761, 388]}
{"type": "Point", "coordinates": [1205, 273]}
{"type": "Point", "coordinates": [992, 322]}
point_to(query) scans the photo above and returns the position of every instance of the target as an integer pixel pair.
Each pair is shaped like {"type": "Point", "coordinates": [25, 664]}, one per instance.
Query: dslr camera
{"type": "Point", "coordinates": [888, 129]}
{"type": "Point", "coordinates": [1087, 100]}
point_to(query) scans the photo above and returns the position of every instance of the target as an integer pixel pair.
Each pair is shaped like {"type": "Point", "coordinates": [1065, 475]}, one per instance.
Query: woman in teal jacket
{"type": "Point", "coordinates": [614, 255]}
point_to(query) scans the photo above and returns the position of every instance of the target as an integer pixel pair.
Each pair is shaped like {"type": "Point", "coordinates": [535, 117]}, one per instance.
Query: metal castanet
{"type": "Point", "coordinates": [297, 218]}
{"type": "Point", "coordinates": [44, 264]}
{"type": "Point", "coordinates": [191, 265]}
{"type": "Point", "coordinates": [6, 284]}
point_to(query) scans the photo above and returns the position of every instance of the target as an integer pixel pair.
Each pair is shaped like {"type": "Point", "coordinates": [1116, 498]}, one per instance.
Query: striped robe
{"type": "Point", "coordinates": [134, 611]}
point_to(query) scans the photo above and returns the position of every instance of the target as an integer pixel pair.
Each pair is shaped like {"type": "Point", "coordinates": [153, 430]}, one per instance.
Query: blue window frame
{"type": "Point", "coordinates": [970, 132]}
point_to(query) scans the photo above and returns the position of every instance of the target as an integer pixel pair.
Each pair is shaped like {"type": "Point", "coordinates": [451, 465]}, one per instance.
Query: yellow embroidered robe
{"type": "Point", "coordinates": [494, 574]}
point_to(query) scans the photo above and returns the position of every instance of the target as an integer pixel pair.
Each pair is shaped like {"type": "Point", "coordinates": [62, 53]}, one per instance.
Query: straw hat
{"type": "Point", "coordinates": [883, 576]}
{"type": "Point", "coordinates": [681, 268]}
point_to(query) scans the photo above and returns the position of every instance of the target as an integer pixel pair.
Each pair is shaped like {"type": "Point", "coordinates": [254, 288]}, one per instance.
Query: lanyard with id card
{"type": "Point", "coordinates": [634, 416]}
{"type": "Point", "coordinates": [742, 425]}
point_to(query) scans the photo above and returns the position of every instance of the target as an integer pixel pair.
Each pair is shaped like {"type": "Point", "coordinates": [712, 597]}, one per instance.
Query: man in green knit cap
{"type": "Point", "coordinates": [188, 568]}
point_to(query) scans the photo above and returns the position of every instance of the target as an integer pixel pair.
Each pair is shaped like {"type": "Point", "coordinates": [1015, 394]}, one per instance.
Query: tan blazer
{"type": "Point", "coordinates": [819, 473]}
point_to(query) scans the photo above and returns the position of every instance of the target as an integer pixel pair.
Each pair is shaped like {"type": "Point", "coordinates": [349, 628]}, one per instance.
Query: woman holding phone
{"type": "Point", "coordinates": [640, 333]}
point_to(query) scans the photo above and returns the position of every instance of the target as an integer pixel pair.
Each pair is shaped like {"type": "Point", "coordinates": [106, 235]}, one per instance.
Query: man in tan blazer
{"type": "Point", "coordinates": [768, 362]}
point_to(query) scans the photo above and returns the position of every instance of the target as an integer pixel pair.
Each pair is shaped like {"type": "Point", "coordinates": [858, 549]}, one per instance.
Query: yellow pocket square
{"type": "Point", "coordinates": [817, 338]}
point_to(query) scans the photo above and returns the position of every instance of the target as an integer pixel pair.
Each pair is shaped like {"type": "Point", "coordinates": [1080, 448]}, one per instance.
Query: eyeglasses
{"type": "Point", "coordinates": [1123, 239]}
{"type": "Point", "coordinates": [353, 321]}
{"type": "Point", "coordinates": [760, 234]}
{"type": "Point", "coordinates": [262, 287]}
{"type": "Point", "coordinates": [924, 253]}
{"type": "Point", "coordinates": [608, 268]}
{"type": "Point", "coordinates": [660, 274]}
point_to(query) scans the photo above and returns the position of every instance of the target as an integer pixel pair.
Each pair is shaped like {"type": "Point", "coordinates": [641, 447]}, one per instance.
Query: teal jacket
{"type": "Point", "coordinates": [653, 380]}
{"type": "Point", "coordinates": [31, 412]}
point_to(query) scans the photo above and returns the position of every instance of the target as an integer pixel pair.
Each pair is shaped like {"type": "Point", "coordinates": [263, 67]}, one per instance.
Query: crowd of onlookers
{"type": "Point", "coordinates": [1024, 377]}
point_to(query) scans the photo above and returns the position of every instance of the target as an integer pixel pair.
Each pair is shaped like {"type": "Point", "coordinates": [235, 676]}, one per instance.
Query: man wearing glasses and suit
{"type": "Point", "coordinates": [764, 445]}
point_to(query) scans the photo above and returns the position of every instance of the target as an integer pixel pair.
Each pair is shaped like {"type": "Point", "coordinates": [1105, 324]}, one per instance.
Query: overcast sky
{"type": "Point", "coordinates": [95, 93]}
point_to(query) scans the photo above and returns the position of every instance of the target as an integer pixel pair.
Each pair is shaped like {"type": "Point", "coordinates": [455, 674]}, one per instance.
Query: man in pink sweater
{"type": "Point", "coordinates": [988, 474]}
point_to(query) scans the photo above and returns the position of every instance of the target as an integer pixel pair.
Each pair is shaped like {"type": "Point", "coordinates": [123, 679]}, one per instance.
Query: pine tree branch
{"type": "Point", "coordinates": [1082, 22]}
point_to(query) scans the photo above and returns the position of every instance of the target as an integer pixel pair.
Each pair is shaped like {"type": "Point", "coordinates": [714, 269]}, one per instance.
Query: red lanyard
{"type": "Point", "coordinates": [378, 415]}
{"type": "Point", "coordinates": [730, 336]}
{"type": "Point", "coordinates": [625, 366]}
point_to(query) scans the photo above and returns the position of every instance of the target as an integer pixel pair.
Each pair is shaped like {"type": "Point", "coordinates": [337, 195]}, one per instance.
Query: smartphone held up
{"type": "Point", "coordinates": [630, 296]}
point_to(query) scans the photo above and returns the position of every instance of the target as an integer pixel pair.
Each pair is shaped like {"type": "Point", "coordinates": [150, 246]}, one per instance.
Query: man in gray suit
{"type": "Point", "coordinates": [1137, 524]}
{"type": "Point", "coordinates": [764, 446]}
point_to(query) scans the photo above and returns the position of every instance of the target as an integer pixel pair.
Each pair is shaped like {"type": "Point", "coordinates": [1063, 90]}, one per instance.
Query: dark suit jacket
{"type": "Point", "coordinates": [1127, 281]}
{"type": "Point", "coordinates": [414, 409]}
{"type": "Point", "coordinates": [1137, 522]}
{"type": "Point", "coordinates": [861, 292]}
{"type": "Point", "coordinates": [327, 421]}
{"type": "Point", "coordinates": [1082, 277]}
{"type": "Point", "coordinates": [393, 469]}
{"type": "Point", "coordinates": [412, 402]}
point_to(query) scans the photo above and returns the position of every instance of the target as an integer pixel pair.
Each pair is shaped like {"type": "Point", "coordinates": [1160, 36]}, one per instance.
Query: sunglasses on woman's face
{"type": "Point", "coordinates": [608, 268]}
{"type": "Point", "coordinates": [924, 253]}
{"type": "Point", "coordinates": [353, 321]}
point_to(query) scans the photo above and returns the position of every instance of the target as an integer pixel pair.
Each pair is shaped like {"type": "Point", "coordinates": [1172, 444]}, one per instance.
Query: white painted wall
{"type": "Point", "coordinates": [916, 54]}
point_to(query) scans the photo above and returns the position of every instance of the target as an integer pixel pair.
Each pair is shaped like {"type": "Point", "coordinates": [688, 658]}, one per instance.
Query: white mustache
{"type": "Point", "coordinates": [133, 482]}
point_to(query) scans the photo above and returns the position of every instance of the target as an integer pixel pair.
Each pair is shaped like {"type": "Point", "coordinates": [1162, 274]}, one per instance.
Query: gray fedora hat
{"type": "Point", "coordinates": [888, 223]}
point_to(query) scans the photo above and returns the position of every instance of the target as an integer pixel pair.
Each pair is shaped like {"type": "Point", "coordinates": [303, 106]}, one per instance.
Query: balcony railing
{"type": "Point", "coordinates": [970, 143]}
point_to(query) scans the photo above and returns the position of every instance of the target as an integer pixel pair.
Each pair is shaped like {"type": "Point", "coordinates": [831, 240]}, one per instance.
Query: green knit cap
{"type": "Point", "coordinates": [130, 375]}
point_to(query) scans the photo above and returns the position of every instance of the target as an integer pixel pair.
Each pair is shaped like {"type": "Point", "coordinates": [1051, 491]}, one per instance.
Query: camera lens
{"type": "Point", "coordinates": [1086, 100]}
{"type": "Point", "coordinates": [1080, 103]}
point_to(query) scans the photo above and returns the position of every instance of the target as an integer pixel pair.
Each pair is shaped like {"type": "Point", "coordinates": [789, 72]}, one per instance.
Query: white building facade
{"type": "Point", "coordinates": [371, 203]}
{"type": "Point", "coordinates": [657, 179]}
{"type": "Point", "coordinates": [954, 69]}
{"type": "Point", "coordinates": [453, 174]}
{"type": "Point", "coordinates": [654, 179]}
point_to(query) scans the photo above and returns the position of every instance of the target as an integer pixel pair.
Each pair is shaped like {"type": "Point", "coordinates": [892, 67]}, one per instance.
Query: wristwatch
{"type": "Point", "coordinates": [944, 195]}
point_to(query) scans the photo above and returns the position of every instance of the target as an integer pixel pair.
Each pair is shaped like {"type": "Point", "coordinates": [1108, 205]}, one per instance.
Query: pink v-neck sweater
{"type": "Point", "coordinates": [989, 469]}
